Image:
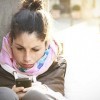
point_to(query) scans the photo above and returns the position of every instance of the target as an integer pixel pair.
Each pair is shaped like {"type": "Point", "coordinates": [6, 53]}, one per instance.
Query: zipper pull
{"type": "Point", "coordinates": [34, 79]}
{"type": "Point", "coordinates": [15, 74]}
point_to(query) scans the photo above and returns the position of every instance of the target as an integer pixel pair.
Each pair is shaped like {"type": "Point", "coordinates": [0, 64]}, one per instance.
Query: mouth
{"type": "Point", "coordinates": [27, 65]}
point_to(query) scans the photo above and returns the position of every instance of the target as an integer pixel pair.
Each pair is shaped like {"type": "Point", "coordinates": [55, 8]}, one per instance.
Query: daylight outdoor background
{"type": "Point", "coordinates": [77, 26]}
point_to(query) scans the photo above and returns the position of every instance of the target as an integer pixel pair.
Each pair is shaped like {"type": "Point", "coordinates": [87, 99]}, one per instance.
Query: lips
{"type": "Point", "coordinates": [27, 65]}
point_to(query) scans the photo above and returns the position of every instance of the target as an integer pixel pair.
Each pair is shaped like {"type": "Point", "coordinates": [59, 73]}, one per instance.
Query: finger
{"type": "Point", "coordinates": [17, 89]}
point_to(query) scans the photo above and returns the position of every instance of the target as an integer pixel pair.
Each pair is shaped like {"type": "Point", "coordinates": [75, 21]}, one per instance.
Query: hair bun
{"type": "Point", "coordinates": [32, 4]}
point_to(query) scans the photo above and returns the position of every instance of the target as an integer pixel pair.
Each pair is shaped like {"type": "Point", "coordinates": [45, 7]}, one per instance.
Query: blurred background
{"type": "Point", "coordinates": [76, 24]}
{"type": "Point", "coordinates": [70, 12]}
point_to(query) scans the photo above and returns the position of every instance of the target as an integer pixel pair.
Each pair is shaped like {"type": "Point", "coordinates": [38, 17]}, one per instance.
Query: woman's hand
{"type": "Point", "coordinates": [19, 91]}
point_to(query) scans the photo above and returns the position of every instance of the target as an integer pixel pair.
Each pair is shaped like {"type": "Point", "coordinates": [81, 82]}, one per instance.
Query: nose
{"type": "Point", "coordinates": [27, 57]}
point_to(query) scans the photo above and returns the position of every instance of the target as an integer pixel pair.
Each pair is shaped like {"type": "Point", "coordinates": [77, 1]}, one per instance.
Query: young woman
{"type": "Point", "coordinates": [27, 52]}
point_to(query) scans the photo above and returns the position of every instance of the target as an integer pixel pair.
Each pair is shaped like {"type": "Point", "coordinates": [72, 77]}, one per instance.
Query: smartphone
{"type": "Point", "coordinates": [23, 82]}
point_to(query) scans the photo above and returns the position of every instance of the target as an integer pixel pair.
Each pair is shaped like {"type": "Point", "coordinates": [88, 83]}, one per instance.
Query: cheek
{"type": "Point", "coordinates": [39, 54]}
{"type": "Point", "coordinates": [16, 55]}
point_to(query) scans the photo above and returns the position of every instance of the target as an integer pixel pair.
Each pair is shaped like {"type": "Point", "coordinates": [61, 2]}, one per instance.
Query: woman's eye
{"type": "Point", "coordinates": [35, 50]}
{"type": "Point", "coordinates": [19, 48]}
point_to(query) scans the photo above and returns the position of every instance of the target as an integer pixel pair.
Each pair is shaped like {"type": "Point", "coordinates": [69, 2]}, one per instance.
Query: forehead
{"type": "Point", "coordinates": [28, 40]}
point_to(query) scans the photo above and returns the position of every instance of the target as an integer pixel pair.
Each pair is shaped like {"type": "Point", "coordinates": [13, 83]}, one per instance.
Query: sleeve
{"type": "Point", "coordinates": [6, 79]}
{"type": "Point", "coordinates": [54, 78]}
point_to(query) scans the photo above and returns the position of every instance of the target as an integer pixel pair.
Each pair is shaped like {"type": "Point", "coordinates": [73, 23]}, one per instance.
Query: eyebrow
{"type": "Point", "coordinates": [24, 47]}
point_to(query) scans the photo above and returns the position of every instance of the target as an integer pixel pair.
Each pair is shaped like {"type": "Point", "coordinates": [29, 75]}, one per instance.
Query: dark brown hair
{"type": "Point", "coordinates": [30, 18]}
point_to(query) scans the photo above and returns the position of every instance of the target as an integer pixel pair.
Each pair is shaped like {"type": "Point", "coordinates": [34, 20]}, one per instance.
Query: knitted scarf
{"type": "Point", "coordinates": [41, 66]}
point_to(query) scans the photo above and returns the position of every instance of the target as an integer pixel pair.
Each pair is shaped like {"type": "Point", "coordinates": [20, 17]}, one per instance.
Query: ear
{"type": "Point", "coordinates": [10, 40]}
{"type": "Point", "coordinates": [47, 43]}
{"type": "Point", "coordinates": [48, 40]}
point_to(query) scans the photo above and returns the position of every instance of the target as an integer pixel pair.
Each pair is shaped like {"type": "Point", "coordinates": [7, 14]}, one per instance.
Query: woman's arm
{"type": "Point", "coordinates": [54, 77]}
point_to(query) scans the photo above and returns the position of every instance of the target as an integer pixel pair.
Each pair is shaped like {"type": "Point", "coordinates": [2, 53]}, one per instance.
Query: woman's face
{"type": "Point", "coordinates": [27, 49]}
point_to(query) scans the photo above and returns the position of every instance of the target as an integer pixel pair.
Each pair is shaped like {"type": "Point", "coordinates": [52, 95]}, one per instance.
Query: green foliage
{"type": "Point", "coordinates": [76, 8]}
{"type": "Point", "coordinates": [56, 7]}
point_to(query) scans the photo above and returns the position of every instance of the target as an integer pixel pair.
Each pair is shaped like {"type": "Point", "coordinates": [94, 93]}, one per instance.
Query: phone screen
{"type": "Point", "coordinates": [23, 82]}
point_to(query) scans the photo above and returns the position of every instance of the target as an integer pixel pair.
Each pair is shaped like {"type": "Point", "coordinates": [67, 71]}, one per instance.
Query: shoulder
{"type": "Point", "coordinates": [60, 62]}
{"type": "Point", "coordinates": [4, 73]}
{"type": "Point", "coordinates": [2, 70]}
{"type": "Point", "coordinates": [6, 79]}
{"type": "Point", "coordinates": [58, 66]}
